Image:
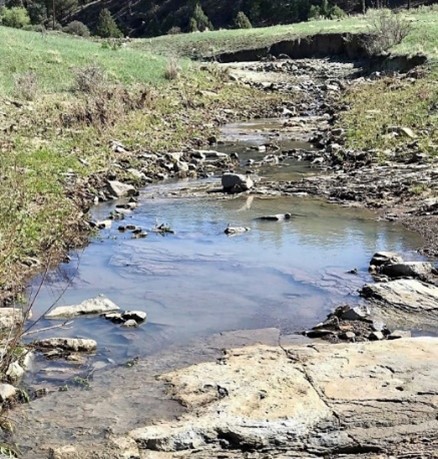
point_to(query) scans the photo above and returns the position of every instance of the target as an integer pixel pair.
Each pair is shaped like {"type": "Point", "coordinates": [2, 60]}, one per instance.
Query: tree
{"type": "Point", "coordinates": [106, 26]}
{"type": "Point", "coordinates": [241, 21]}
{"type": "Point", "coordinates": [15, 17]}
{"type": "Point", "coordinates": [202, 21]}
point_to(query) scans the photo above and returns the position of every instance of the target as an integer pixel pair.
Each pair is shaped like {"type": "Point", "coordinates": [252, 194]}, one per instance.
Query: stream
{"type": "Point", "coordinates": [194, 283]}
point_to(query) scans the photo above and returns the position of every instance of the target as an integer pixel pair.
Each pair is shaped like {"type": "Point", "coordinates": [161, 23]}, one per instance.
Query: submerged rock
{"type": "Point", "coordinates": [97, 305]}
{"type": "Point", "coordinates": [276, 217]}
{"type": "Point", "coordinates": [67, 344]}
{"type": "Point", "coordinates": [233, 230]}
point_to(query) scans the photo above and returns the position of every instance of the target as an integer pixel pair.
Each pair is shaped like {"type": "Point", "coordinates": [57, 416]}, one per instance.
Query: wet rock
{"type": "Point", "coordinates": [235, 183]}
{"type": "Point", "coordinates": [130, 324]}
{"type": "Point", "coordinates": [383, 258]}
{"type": "Point", "coordinates": [115, 317]}
{"type": "Point", "coordinates": [104, 224]}
{"type": "Point", "coordinates": [67, 344]}
{"type": "Point", "coordinates": [209, 155]}
{"type": "Point", "coordinates": [276, 217]}
{"type": "Point", "coordinates": [138, 316]}
{"type": "Point", "coordinates": [356, 313]}
{"type": "Point", "coordinates": [417, 269]}
{"type": "Point", "coordinates": [119, 189]}
{"type": "Point", "coordinates": [233, 230]}
{"type": "Point", "coordinates": [97, 305]}
{"type": "Point", "coordinates": [7, 392]}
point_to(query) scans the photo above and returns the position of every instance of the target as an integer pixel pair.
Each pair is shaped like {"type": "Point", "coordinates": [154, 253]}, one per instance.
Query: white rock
{"type": "Point", "coordinates": [233, 230]}
{"type": "Point", "coordinates": [98, 305]}
{"type": "Point", "coordinates": [15, 371]}
{"type": "Point", "coordinates": [138, 316]}
{"type": "Point", "coordinates": [119, 189]}
{"type": "Point", "coordinates": [130, 324]}
{"type": "Point", "coordinates": [7, 391]}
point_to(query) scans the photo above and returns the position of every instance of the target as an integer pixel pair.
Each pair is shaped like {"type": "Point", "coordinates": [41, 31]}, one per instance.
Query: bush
{"type": "Point", "coordinates": [241, 21]}
{"type": "Point", "coordinates": [77, 28]}
{"type": "Point", "coordinates": [106, 26]}
{"type": "Point", "coordinates": [337, 13]}
{"type": "Point", "coordinates": [172, 71]}
{"type": "Point", "coordinates": [15, 17]}
{"type": "Point", "coordinates": [89, 79]}
{"type": "Point", "coordinates": [314, 12]}
{"type": "Point", "coordinates": [26, 85]}
{"type": "Point", "coordinates": [175, 30]}
{"type": "Point", "coordinates": [386, 30]}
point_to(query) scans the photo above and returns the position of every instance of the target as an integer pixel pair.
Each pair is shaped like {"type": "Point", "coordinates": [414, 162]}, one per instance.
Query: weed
{"type": "Point", "coordinates": [90, 79]}
{"type": "Point", "coordinates": [173, 70]}
{"type": "Point", "coordinates": [26, 85]}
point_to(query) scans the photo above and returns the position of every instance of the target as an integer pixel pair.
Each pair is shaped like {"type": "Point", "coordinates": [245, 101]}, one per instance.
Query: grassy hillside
{"type": "Point", "coordinates": [422, 38]}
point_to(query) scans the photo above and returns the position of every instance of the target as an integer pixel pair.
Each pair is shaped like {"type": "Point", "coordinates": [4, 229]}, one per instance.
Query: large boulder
{"type": "Point", "coordinates": [236, 183]}
{"type": "Point", "coordinates": [119, 189]}
{"type": "Point", "coordinates": [98, 305]}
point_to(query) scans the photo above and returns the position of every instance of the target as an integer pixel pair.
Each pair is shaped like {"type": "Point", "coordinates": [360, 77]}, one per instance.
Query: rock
{"type": "Point", "coordinates": [104, 224]}
{"type": "Point", "coordinates": [408, 132]}
{"type": "Point", "coordinates": [233, 230]}
{"type": "Point", "coordinates": [130, 323]}
{"type": "Point", "coordinates": [115, 317]}
{"type": "Point", "coordinates": [138, 316]}
{"type": "Point", "coordinates": [376, 336]}
{"type": "Point", "coordinates": [209, 154]}
{"type": "Point", "coordinates": [135, 173]}
{"type": "Point", "coordinates": [235, 183]}
{"type": "Point", "coordinates": [350, 336]}
{"type": "Point", "coordinates": [319, 332]}
{"type": "Point", "coordinates": [15, 371]}
{"type": "Point", "coordinates": [356, 313]}
{"type": "Point", "coordinates": [398, 334]}
{"type": "Point", "coordinates": [63, 452]}
{"type": "Point", "coordinates": [119, 189]}
{"type": "Point", "coordinates": [292, 399]}
{"type": "Point", "coordinates": [97, 305]}
{"type": "Point", "coordinates": [382, 258]}
{"type": "Point", "coordinates": [407, 294]}
{"type": "Point", "coordinates": [7, 391]}
{"type": "Point", "coordinates": [67, 344]}
{"type": "Point", "coordinates": [10, 317]}
{"type": "Point", "coordinates": [276, 217]}
{"type": "Point", "coordinates": [417, 269]}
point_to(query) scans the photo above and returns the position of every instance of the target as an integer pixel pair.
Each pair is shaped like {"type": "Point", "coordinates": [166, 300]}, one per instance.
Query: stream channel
{"type": "Point", "coordinates": [196, 282]}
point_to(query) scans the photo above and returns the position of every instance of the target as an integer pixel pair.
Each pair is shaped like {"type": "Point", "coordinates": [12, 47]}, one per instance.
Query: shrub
{"type": "Point", "coordinates": [172, 71]}
{"type": "Point", "coordinates": [26, 85]}
{"type": "Point", "coordinates": [77, 28]}
{"type": "Point", "coordinates": [89, 79]}
{"type": "Point", "coordinates": [175, 30]}
{"type": "Point", "coordinates": [241, 21]}
{"type": "Point", "coordinates": [201, 19]}
{"type": "Point", "coordinates": [386, 30]}
{"type": "Point", "coordinates": [106, 26]}
{"type": "Point", "coordinates": [15, 17]}
{"type": "Point", "coordinates": [314, 12]}
{"type": "Point", "coordinates": [337, 12]}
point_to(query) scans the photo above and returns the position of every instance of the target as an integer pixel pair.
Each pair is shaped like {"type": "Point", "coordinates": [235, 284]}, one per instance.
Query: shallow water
{"type": "Point", "coordinates": [198, 281]}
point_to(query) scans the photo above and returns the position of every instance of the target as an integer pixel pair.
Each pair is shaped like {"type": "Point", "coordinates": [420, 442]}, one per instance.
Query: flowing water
{"type": "Point", "coordinates": [198, 281]}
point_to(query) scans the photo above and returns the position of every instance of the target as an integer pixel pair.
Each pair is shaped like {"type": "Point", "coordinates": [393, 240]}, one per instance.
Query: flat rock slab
{"type": "Point", "coordinates": [98, 305]}
{"type": "Point", "coordinates": [304, 400]}
{"type": "Point", "coordinates": [407, 294]}
{"type": "Point", "coordinates": [67, 344]}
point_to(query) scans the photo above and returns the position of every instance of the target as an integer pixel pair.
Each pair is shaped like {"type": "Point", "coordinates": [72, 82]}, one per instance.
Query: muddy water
{"type": "Point", "coordinates": [198, 281]}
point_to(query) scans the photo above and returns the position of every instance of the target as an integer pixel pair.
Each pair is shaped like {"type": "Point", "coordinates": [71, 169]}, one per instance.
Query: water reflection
{"type": "Point", "coordinates": [198, 281]}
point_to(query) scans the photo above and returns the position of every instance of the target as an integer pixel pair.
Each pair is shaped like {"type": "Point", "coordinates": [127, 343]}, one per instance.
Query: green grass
{"type": "Point", "coordinates": [423, 36]}
{"type": "Point", "coordinates": [53, 58]}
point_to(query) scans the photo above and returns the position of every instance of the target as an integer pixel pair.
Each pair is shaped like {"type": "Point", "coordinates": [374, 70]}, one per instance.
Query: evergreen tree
{"type": "Point", "coordinates": [202, 21]}
{"type": "Point", "coordinates": [241, 21]}
{"type": "Point", "coordinates": [106, 26]}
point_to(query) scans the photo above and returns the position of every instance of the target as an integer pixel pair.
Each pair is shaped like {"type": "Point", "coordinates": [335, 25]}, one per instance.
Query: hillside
{"type": "Point", "coordinates": [146, 18]}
